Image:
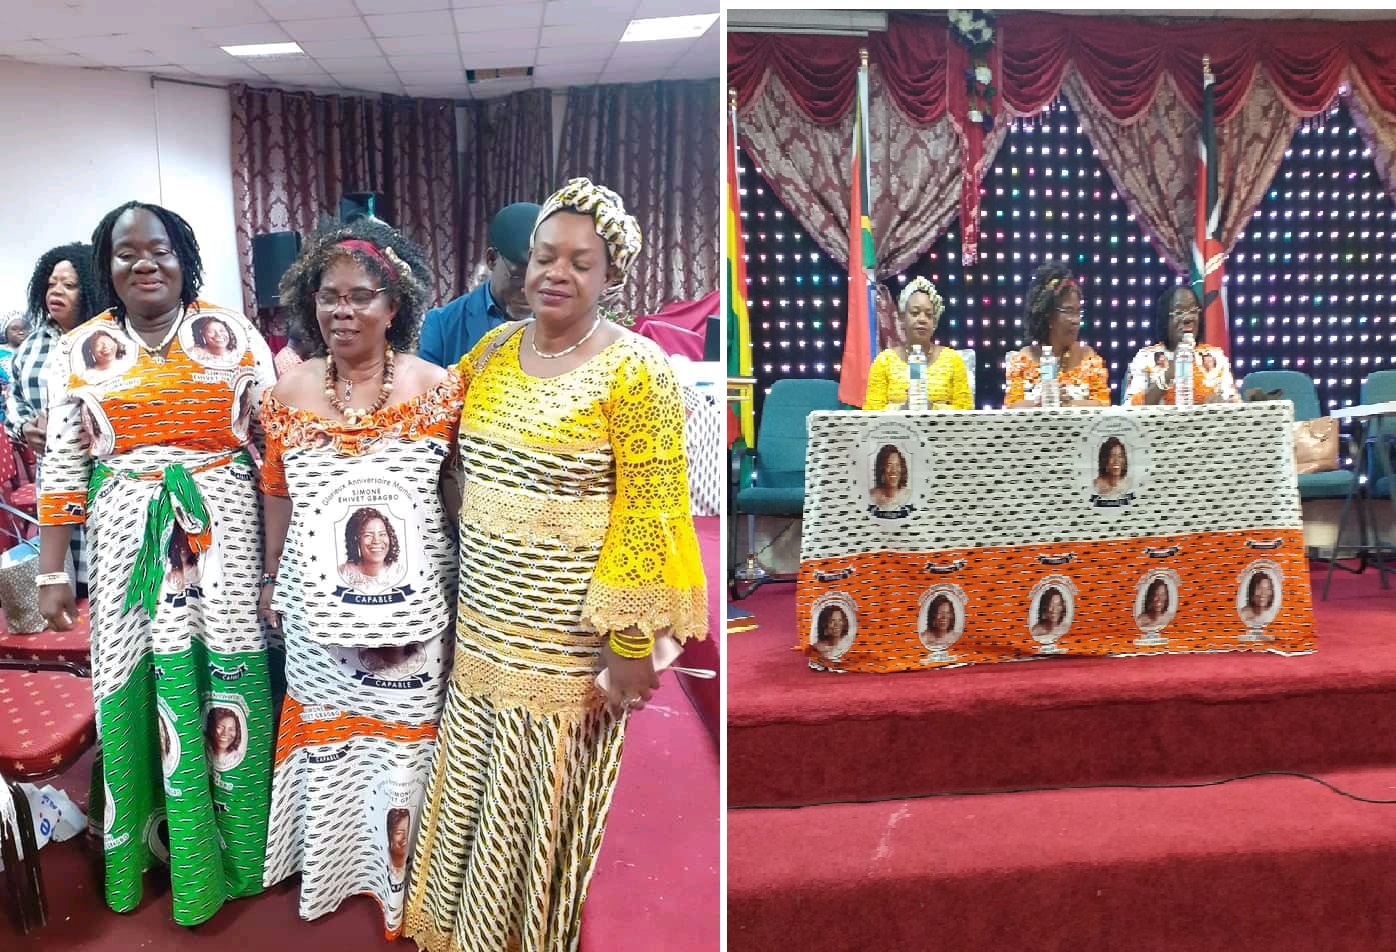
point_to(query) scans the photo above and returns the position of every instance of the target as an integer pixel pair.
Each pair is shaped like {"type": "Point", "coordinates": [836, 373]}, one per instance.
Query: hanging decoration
{"type": "Point", "coordinates": [974, 30]}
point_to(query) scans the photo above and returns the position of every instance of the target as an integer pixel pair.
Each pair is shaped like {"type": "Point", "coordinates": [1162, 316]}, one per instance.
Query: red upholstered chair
{"type": "Point", "coordinates": [66, 650]}
{"type": "Point", "coordinates": [49, 723]}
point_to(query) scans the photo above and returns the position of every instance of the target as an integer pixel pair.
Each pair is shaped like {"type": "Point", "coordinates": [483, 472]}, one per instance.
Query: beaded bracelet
{"type": "Point", "coordinates": [632, 646]}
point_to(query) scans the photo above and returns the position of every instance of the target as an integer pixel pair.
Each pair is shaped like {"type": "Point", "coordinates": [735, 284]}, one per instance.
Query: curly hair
{"type": "Point", "coordinates": [408, 289]}
{"type": "Point", "coordinates": [89, 347]}
{"type": "Point", "coordinates": [1049, 285]}
{"type": "Point", "coordinates": [182, 242]}
{"type": "Point", "coordinates": [356, 523]}
{"type": "Point", "coordinates": [199, 331]}
{"type": "Point", "coordinates": [1163, 306]}
{"type": "Point", "coordinates": [1254, 586]}
{"type": "Point", "coordinates": [883, 455]}
{"type": "Point", "coordinates": [1104, 459]}
{"type": "Point", "coordinates": [92, 297]}
{"type": "Point", "coordinates": [822, 626]}
{"type": "Point", "coordinates": [216, 714]}
{"type": "Point", "coordinates": [1154, 586]}
{"type": "Point", "coordinates": [1046, 600]}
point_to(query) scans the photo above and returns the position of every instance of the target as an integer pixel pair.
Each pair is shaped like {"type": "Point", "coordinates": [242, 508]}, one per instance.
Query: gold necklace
{"type": "Point", "coordinates": [352, 414]}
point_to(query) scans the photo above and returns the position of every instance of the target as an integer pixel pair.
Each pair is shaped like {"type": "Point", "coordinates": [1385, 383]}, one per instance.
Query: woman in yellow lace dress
{"type": "Point", "coordinates": [577, 551]}
{"type": "Point", "coordinates": [947, 382]}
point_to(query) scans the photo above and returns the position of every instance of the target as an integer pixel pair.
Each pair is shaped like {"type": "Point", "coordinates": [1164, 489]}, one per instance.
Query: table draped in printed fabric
{"type": "Point", "coordinates": [575, 523]}
{"type": "Point", "coordinates": [168, 493]}
{"type": "Point", "coordinates": [366, 591]}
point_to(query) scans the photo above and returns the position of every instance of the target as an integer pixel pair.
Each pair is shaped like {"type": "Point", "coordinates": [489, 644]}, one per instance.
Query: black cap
{"type": "Point", "coordinates": [510, 230]}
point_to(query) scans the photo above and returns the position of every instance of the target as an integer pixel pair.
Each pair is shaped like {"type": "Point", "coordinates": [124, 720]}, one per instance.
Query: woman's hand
{"type": "Point", "coordinates": [34, 432]}
{"type": "Point", "coordinates": [58, 606]}
{"type": "Point", "coordinates": [632, 681]}
{"type": "Point", "coordinates": [264, 609]}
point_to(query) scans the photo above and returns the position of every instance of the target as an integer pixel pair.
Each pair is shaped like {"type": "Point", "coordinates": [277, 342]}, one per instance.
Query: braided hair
{"type": "Point", "coordinates": [92, 300]}
{"type": "Point", "coordinates": [1163, 306]}
{"type": "Point", "coordinates": [1049, 285]}
{"type": "Point", "coordinates": [182, 242]}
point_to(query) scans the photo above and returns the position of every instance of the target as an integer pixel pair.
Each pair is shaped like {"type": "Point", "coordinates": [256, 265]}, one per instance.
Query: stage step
{"type": "Point", "coordinates": [1272, 864]}
{"type": "Point", "coordinates": [797, 736]}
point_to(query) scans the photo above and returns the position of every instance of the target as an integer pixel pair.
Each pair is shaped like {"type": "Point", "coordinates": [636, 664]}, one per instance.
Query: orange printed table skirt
{"type": "Point", "coordinates": [935, 539]}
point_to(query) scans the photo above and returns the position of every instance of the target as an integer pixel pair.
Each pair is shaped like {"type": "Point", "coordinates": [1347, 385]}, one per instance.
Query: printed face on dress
{"type": "Point", "coordinates": [942, 616]}
{"type": "Point", "coordinates": [1053, 607]}
{"type": "Point", "coordinates": [223, 732]}
{"type": "Point", "coordinates": [1183, 315]}
{"type": "Point", "coordinates": [835, 625]}
{"type": "Point", "coordinates": [216, 337]}
{"type": "Point", "coordinates": [919, 319]}
{"type": "Point", "coordinates": [567, 269]}
{"type": "Point", "coordinates": [354, 334]}
{"type": "Point", "coordinates": [63, 295]}
{"type": "Point", "coordinates": [145, 271]}
{"type": "Point", "coordinates": [1262, 593]}
{"type": "Point", "coordinates": [1157, 599]}
{"type": "Point", "coordinates": [101, 350]}
{"type": "Point", "coordinates": [399, 832]}
{"type": "Point", "coordinates": [374, 542]}
{"type": "Point", "coordinates": [1115, 461]}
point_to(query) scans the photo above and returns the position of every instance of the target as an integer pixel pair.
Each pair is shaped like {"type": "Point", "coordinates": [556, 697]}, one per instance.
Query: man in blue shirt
{"type": "Point", "coordinates": [451, 330]}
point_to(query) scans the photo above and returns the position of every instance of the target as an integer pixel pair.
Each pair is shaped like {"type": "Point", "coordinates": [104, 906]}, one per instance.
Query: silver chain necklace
{"type": "Point", "coordinates": [564, 352]}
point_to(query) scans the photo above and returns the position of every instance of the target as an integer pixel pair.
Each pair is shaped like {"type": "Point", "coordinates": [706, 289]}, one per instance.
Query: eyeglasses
{"type": "Point", "coordinates": [1190, 312]}
{"type": "Point", "coordinates": [1077, 314]}
{"type": "Point", "coordinates": [359, 298]}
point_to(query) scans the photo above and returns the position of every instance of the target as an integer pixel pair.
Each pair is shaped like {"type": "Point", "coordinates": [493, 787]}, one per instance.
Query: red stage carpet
{"type": "Point", "coordinates": [1271, 863]}
{"type": "Point", "coordinates": [656, 885]}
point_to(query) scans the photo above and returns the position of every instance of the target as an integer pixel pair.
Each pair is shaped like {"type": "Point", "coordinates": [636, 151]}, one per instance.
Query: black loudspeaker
{"type": "Point", "coordinates": [356, 205]}
{"type": "Point", "coordinates": [272, 254]}
{"type": "Point", "coordinates": [712, 340]}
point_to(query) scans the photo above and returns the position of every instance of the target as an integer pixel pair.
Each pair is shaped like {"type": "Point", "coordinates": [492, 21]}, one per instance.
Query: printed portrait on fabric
{"type": "Point", "coordinates": [373, 559]}
{"type": "Point", "coordinates": [833, 625]}
{"type": "Point", "coordinates": [1113, 461]}
{"type": "Point", "coordinates": [1051, 610]}
{"type": "Point", "coordinates": [102, 353]}
{"type": "Point", "coordinates": [1259, 593]}
{"type": "Point", "coordinates": [940, 619]}
{"type": "Point", "coordinates": [393, 806]}
{"type": "Point", "coordinates": [1155, 604]}
{"type": "Point", "coordinates": [225, 731]}
{"type": "Point", "coordinates": [404, 667]}
{"type": "Point", "coordinates": [169, 739]}
{"type": "Point", "coordinates": [890, 470]}
{"type": "Point", "coordinates": [93, 422]}
{"type": "Point", "coordinates": [242, 407]}
{"type": "Point", "coordinates": [213, 341]}
{"type": "Point", "coordinates": [367, 542]}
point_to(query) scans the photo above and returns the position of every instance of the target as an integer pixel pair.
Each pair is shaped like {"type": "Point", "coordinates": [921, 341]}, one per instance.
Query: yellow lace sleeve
{"type": "Point", "coordinates": [876, 398]}
{"type": "Point", "coordinates": [650, 572]}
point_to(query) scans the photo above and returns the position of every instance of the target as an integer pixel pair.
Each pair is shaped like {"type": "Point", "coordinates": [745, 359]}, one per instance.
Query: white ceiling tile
{"type": "Point", "coordinates": [401, 6]}
{"type": "Point", "coordinates": [499, 87]}
{"type": "Point", "coordinates": [341, 49]}
{"type": "Point", "coordinates": [431, 77]}
{"type": "Point", "coordinates": [437, 91]}
{"type": "Point", "coordinates": [688, 70]}
{"type": "Point", "coordinates": [521, 39]}
{"type": "Point", "coordinates": [439, 43]}
{"type": "Point", "coordinates": [234, 69]}
{"type": "Point", "coordinates": [93, 45]}
{"type": "Point", "coordinates": [497, 59]}
{"type": "Point", "coordinates": [289, 68]}
{"type": "Point", "coordinates": [411, 24]}
{"type": "Point", "coordinates": [634, 74]}
{"type": "Point", "coordinates": [334, 28]}
{"type": "Point", "coordinates": [677, 8]}
{"type": "Point", "coordinates": [393, 85]}
{"type": "Point", "coordinates": [424, 61]}
{"type": "Point", "coordinates": [568, 12]}
{"type": "Point", "coordinates": [362, 65]}
{"type": "Point", "coordinates": [582, 53]}
{"type": "Point", "coordinates": [367, 81]}
{"type": "Point", "coordinates": [58, 59]}
{"type": "Point", "coordinates": [239, 35]}
{"type": "Point", "coordinates": [568, 73]}
{"type": "Point", "coordinates": [484, 19]}
{"type": "Point", "coordinates": [185, 13]}
{"type": "Point", "coordinates": [582, 33]}
{"type": "Point", "coordinates": [658, 51]}
{"type": "Point", "coordinates": [308, 9]}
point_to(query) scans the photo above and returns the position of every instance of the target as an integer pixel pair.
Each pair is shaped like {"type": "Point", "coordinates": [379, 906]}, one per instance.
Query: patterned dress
{"type": "Point", "coordinates": [947, 381]}
{"type": "Point", "coordinates": [179, 660]}
{"type": "Point", "coordinates": [1087, 380]}
{"type": "Point", "coordinates": [575, 521]}
{"type": "Point", "coordinates": [367, 651]}
{"type": "Point", "coordinates": [1211, 375]}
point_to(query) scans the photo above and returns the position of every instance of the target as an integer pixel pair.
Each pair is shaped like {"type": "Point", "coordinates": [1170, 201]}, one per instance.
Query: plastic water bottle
{"type": "Point", "coordinates": [1051, 388]}
{"type": "Point", "coordinates": [916, 378]}
{"type": "Point", "coordinates": [1182, 372]}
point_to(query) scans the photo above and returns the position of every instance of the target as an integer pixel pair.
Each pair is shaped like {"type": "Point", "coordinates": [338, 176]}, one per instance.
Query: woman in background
{"type": "Point", "coordinates": [947, 383]}
{"type": "Point", "coordinates": [1052, 318]}
{"type": "Point", "coordinates": [1151, 371]}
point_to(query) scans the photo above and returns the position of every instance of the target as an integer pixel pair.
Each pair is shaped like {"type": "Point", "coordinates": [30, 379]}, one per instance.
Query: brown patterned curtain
{"type": "Point", "coordinates": [1152, 158]}
{"type": "Point", "coordinates": [657, 145]}
{"type": "Point", "coordinates": [1378, 129]}
{"type": "Point", "coordinates": [295, 154]}
{"type": "Point", "coordinates": [508, 157]}
{"type": "Point", "coordinates": [915, 172]}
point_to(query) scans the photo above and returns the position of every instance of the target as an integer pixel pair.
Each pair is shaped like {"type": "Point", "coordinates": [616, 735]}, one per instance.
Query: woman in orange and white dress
{"type": "Point", "coordinates": [1052, 318]}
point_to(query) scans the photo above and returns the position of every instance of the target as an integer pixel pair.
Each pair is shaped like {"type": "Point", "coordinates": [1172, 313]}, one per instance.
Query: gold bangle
{"type": "Point", "coordinates": [642, 648]}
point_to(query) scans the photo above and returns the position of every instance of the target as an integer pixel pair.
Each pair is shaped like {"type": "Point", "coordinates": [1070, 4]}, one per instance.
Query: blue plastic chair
{"type": "Point", "coordinates": [1299, 389]}
{"type": "Point", "coordinates": [1380, 387]}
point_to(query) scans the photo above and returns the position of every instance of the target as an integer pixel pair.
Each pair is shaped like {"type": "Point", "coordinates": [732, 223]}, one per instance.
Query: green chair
{"type": "Point", "coordinates": [1299, 389]}
{"type": "Point", "coordinates": [1380, 387]}
{"type": "Point", "coordinates": [776, 486]}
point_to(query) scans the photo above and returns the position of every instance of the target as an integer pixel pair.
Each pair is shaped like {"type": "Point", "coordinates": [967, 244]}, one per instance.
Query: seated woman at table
{"type": "Point", "coordinates": [947, 383]}
{"type": "Point", "coordinates": [1053, 315]}
{"type": "Point", "coordinates": [1151, 372]}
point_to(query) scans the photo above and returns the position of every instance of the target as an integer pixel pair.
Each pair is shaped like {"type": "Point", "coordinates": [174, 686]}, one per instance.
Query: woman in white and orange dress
{"type": "Point", "coordinates": [577, 553]}
{"type": "Point", "coordinates": [1052, 319]}
{"type": "Point", "coordinates": [165, 468]}
{"type": "Point", "coordinates": [1151, 371]}
{"type": "Point", "coordinates": [361, 568]}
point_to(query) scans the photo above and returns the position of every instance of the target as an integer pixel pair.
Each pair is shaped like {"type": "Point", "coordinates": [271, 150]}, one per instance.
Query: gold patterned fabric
{"type": "Point", "coordinates": [574, 523]}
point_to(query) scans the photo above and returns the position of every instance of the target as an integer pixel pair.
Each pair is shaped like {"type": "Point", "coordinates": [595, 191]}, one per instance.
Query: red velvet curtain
{"type": "Point", "coordinates": [295, 154]}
